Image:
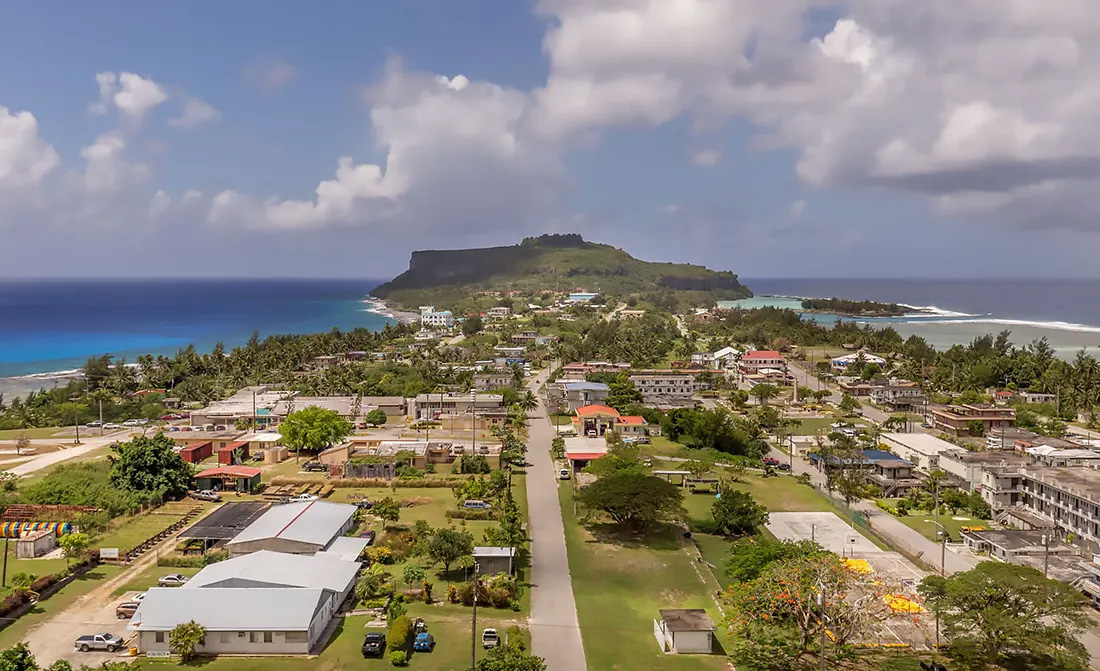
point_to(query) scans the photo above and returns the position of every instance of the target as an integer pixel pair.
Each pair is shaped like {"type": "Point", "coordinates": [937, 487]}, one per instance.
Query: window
{"type": "Point", "coordinates": [253, 637]}
{"type": "Point", "coordinates": [267, 637]}
{"type": "Point", "coordinates": [225, 637]}
{"type": "Point", "coordinates": [159, 637]}
{"type": "Point", "coordinates": [296, 636]}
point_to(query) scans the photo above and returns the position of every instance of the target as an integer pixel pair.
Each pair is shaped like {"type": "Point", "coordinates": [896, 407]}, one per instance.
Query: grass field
{"type": "Point", "coordinates": [135, 530]}
{"type": "Point", "coordinates": [57, 603]}
{"type": "Point", "coordinates": [620, 585]}
{"type": "Point", "coordinates": [714, 550]}
{"type": "Point", "coordinates": [12, 434]}
{"type": "Point", "coordinates": [148, 578]}
{"type": "Point", "coordinates": [921, 521]}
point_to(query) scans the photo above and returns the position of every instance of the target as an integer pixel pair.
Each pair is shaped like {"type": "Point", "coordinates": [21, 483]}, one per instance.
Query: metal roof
{"type": "Point", "coordinates": [489, 551]}
{"type": "Point", "coordinates": [316, 522]}
{"type": "Point", "coordinates": [586, 386]}
{"type": "Point", "coordinates": [277, 569]}
{"type": "Point", "coordinates": [345, 547]}
{"type": "Point", "coordinates": [228, 609]}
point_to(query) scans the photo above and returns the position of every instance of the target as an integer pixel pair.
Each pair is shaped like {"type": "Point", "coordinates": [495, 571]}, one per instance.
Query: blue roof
{"type": "Point", "coordinates": [586, 386]}
{"type": "Point", "coordinates": [883, 455]}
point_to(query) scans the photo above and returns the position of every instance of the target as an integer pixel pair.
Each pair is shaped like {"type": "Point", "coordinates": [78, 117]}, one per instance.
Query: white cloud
{"type": "Point", "coordinates": [706, 158]}
{"type": "Point", "coordinates": [107, 168]}
{"type": "Point", "coordinates": [270, 76]}
{"type": "Point", "coordinates": [25, 158]}
{"type": "Point", "coordinates": [133, 95]}
{"type": "Point", "coordinates": [195, 112]}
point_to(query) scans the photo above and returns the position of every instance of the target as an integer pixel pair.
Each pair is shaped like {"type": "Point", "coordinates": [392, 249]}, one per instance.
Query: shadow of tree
{"type": "Point", "coordinates": [657, 537]}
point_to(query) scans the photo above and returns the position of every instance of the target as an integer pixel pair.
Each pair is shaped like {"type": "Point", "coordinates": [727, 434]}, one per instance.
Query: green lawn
{"type": "Point", "coordinates": [57, 603]}
{"type": "Point", "coordinates": [921, 521]}
{"type": "Point", "coordinates": [561, 420]}
{"type": "Point", "coordinates": [47, 432]}
{"type": "Point", "coordinates": [715, 551]}
{"type": "Point", "coordinates": [132, 531]}
{"type": "Point", "coordinates": [148, 578]}
{"type": "Point", "coordinates": [620, 586]}
{"type": "Point", "coordinates": [661, 447]}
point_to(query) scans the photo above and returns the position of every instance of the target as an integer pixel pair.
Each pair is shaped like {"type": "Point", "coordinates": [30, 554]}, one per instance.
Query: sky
{"type": "Point", "coordinates": [773, 138]}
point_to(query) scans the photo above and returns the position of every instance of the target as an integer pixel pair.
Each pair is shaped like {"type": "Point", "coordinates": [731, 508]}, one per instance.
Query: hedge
{"type": "Point", "coordinates": [192, 561]}
{"type": "Point", "coordinates": [19, 598]}
{"type": "Point", "coordinates": [400, 633]}
{"type": "Point", "coordinates": [342, 483]}
{"type": "Point", "coordinates": [468, 514]}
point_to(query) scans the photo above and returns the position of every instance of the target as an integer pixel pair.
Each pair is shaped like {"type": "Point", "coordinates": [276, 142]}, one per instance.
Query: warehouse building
{"type": "Point", "coordinates": [296, 528]}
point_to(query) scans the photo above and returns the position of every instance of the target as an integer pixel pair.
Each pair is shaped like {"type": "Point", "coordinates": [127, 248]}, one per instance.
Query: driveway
{"type": "Point", "coordinates": [94, 613]}
{"type": "Point", "coordinates": [555, 633]}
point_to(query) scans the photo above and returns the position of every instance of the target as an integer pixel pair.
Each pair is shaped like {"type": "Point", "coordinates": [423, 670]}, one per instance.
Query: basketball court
{"type": "Point", "coordinates": [828, 530]}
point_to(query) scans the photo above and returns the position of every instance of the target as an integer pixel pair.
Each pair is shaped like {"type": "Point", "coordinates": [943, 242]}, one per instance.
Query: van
{"type": "Point", "coordinates": [563, 474]}
{"type": "Point", "coordinates": [475, 504]}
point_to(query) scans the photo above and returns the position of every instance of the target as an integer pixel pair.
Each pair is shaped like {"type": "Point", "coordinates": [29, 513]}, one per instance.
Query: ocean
{"type": "Point", "coordinates": [48, 328]}
{"type": "Point", "coordinates": [1065, 312]}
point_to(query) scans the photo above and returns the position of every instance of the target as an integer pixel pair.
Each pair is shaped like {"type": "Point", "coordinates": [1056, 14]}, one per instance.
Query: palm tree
{"type": "Point", "coordinates": [527, 402]}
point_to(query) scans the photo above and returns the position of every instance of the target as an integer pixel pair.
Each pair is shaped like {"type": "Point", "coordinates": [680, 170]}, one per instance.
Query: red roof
{"type": "Point", "coordinates": [762, 354]}
{"type": "Point", "coordinates": [232, 446]}
{"type": "Point", "coordinates": [586, 456]}
{"type": "Point", "coordinates": [236, 471]}
{"type": "Point", "coordinates": [597, 409]}
{"type": "Point", "coordinates": [1004, 393]}
{"type": "Point", "coordinates": [632, 419]}
{"type": "Point", "coordinates": [195, 447]}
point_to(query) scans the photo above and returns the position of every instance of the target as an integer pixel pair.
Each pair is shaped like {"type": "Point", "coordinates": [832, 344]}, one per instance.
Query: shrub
{"type": "Point", "coordinates": [341, 483]}
{"type": "Point", "coordinates": [399, 658]}
{"type": "Point", "coordinates": [468, 514]}
{"type": "Point", "coordinates": [500, 597]}
{"type": "Point", "coordinates": [400, 632]}
{"type": "Point", "coordinates": [192, 561]}
{"type": "Point", "coordinates": [379, 554]}
{"type": "Point", "coordinates": [473, 464]}
{"type": "Point", "coordinates": [804, 479]}
{"type": "Point", "coordinates": [376, 602]}
{"type": "Point", "coordinates": [452, 594]}
{"type": "Point", "coordinates": [45, 582]}
{"type": "Point", "coordinates": [703, 526]}
{"type": "Point", "coordinates": [427, 592]}
{"type": "Point", "coordinates": [514, 605]}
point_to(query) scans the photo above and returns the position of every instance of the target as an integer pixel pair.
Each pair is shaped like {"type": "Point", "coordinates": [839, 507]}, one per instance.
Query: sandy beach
{"type": "Point", "coordinates": [382, 307]}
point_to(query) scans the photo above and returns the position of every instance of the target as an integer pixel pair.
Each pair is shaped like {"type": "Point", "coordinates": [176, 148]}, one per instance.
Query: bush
{"type": "Point", "coordinates": [341, 483]}
{"type": "Point", "coordinates": [45, 582]}
{"type": "Point", "coordinates": [400, 633]}
{"type": "Point", "coordinates": [888, 508]}
{"type": "Point", "coordinates": [468, 514]}
{"type": "Point", "coordinates": [452, 594]}
{"type": "Point", "coordinates": [804, 479]}
{"type": "Point", "coordinates": [473, 464]}
{"type": "Point", "coordinates": [703, 526]}
{"type": "Point", "coordinates": [399, 658]}
{"type": "Point", "coordinates": [13, 601]}
{"type": "Point", "coordinates": [376, 602]}
{"type": "Point", "coordinates": [192, 561]}
{"type": "Point", "coordinates": [379, 554]}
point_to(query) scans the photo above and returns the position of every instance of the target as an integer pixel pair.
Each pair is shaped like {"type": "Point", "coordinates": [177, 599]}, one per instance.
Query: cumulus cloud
{"type": "Point", "coordinates": [25, 158]}
{"type": "Point", "coordinates": [270, 75]}
{"type": "Point", "coordinates": [195, 113]}
{"type": "Point", "coordinates": [133, 95]}
{"type": "Point", "coordinates": [106, 167]}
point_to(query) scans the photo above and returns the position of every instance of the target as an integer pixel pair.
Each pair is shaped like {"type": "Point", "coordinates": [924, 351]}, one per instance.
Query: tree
{"type": "Point", "coordinates": [376, 417]}
{"type": "Point", "coordinates": [748, 557]}
{"type": "Point", "coordinates": [17, 658]}
{"type": "Point", "coordinates": [620, 457]}
{"type": "Point", "coordinates": [150, 464]}
{"type": "Point", "coordinates": [736, 513]}
{"type": "Point", "coordinates": [184, 638]}
{"type": "Point", "coordinates": [557, 448]}
{"type": "Point", "coordinates": [73, 545]}
{"type": "Point", "coordinates": [764, 392]}
{"type": "Point", "coordinates": [369, 582]}
{"type": "Point", "coordinates": [472, 325]}
{"type": "Point", "coordinates": [699, 467]}
{"type": "Point", "coordinates": [313, 429]}
{"type": "Point", "coordinates": [23, 580]}
{"type": "Point", "coordinates": [509, 533]}
{"type": "Point", "coordinates": [527, 402]}
{"type": "Point", "coordinates": [412, 573]}
{"type": "Point", "coordinates": [22, 442]}
{"type": "Point", "coordinates": [632, 499]}
{"type": "Point", "coordinates": [848, 404]}
{"type": "Point", "coordinates": [387, 509]}
{"type": "Point", "coordinates": [447, 545]}
{"type": "Point", "coordinates": [1008, 615]}
{"type": "Point", "coordinates": [509, 658]}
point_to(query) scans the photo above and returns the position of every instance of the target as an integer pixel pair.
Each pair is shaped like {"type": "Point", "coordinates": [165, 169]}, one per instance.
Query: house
{"type": "Point", "coordinates": [665, 389]}
{"type": "Point", "coordinates": [864, 357]}
{"type": "Point", "coordinates": [499, 312]}
{"type": "Point", "coordinates": [217, 439]}
{"type": "Point", "coordinates": [491, 380]}
{"type": "Point", "coordinates": [492, 560]}
{"type": "Point", "coordinates": [326, 361]}
{"type": "Point", "coordinates": [602, 419]}
{"type": "Point", "coordinates": [726, 357]}
{"type": "Point", "coordinates": [684, 630]}
{"type": "Point", "coordinates": [958, 419]}
{"type": "Point", "coordinates": [920, 449]}
{"type": "Point", "coordinates": [1036, 397]}
{"type": "Point", "coordinates": [579, 370]}
{"type": "Point", "coordinates": [629, 314]}
{"type": "Point", "coordinates": [579, 394]}
{"type": "Point", "coordinates": [430, 318]}
{"type": "Point", "coordinates": [580, 450]}
{"type": "Point", "coordinates": [967, 466]}
{"type": "Point", "coordinates": [296, 528]}
{"type": "Point", "coordinates": [233, 453]}
{"type": "Point", "coordinates": [243, 479]}
{"type": "Point", "coordinates": [893, 476]}
{"type": "Point", "coordinates": [1003, 397]}
{"type": "Point", "coordinates": [751, 362]}
{"type": "Point", "coordinates": [380, 458]}
{"type": "Point", "coordinates": [897, 396]}
{"type": "Point", "coordinates": [429, 406]}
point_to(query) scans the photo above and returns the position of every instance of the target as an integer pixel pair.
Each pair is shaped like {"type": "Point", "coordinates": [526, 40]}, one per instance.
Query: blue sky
{"type": "Point", "coordinates": [797, 138]}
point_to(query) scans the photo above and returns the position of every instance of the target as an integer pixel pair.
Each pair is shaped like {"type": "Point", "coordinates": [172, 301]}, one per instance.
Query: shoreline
{"type": "Point", "coordinates": [382, 307]}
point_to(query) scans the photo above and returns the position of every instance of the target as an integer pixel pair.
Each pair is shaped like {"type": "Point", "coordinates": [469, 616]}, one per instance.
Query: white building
{"type": "Point", "coordinates": [921, 449]}
{"type": "Point", "coordinates": [726, 357]}
{"type": "Point", "coordinates": [674, 390]}
{"type": "Point", "coordinates": [430, 318]}
{"type": "Point", "coordinates": [295, 528]}
{"type": "Point", "coordinates": [843, 362]}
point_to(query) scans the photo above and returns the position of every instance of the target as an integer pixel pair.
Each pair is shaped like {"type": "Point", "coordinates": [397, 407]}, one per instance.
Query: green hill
{"type": "Point", "coordinates": [446, 278]}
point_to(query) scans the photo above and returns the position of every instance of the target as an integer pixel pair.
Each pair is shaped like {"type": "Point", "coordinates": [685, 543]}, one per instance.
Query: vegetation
{"type": "Point", "coordinates": [555, 263]}
{"type": "Point", "coordinates": [1010, 616]}
{"type": "Point", "coordinates": [313, 429]}
{"type": "Point", "coordinates": [512, 655]}
{"type": "Point", "coordinates": [184, 638]}
{"type": "Point", "coordinates": [632, 499]}
{"type": "Point", "coordinates": [749, 557]}
{"type": "Point", "coordinates": [445, 546]}
{"type": "Point", "coordinates": [737, 514]}
{"type": "Point", "coordinates": [842, 306]}
{"type": "Point", "coordinates": [86, 484]}
{"type": "Point", "coordinates": [150, 465]}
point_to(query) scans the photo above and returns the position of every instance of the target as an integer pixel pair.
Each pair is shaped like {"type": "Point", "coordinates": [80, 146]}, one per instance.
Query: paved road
{"type": "Point", "coordinates": [50, 458]}
{"type": "Point", "coordinates": [555, 633]}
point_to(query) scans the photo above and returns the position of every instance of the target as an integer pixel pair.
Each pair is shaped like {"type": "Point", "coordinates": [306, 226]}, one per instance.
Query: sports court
{"type": "Point", "coordinates": [831, 532]}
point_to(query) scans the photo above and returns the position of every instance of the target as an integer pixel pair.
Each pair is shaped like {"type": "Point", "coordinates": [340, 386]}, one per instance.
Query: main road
{"type": "Point", "coordinates": [555, 632]}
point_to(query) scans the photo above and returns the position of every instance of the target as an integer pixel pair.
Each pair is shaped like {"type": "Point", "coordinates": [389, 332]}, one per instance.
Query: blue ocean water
{"type": "Point", "coordinates": [56, 325]}
{"type": "Point", "coordinates": [1065, 312]}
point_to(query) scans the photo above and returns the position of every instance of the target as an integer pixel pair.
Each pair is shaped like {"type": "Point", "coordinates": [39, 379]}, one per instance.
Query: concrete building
{"type": "Point", "coordinates": [353, 459]}
{"type": "Point", "coordinates": [492, 560]}
{"type": "Point", "coordinates": [842, 363]}
{"type": "Point", "coordinates": [665, 389]}
{"type": "Point", "coordinates": [1010, 546]}
{"type": "Point", "coordinates": [629, 314]}
{"type": "Point", "coordinates": [751, 362]}
{"type": "Point", "coordinates": [579, 370]}
{"type": "Point", "coordinates": [1031, 397]}
{"type": "Point", "coordinates": [430, 406]}
{"type": "Point", "coordinates": [957, 419]}
{"type": "Point", "coordinates": [295, 528]}
{"type": "Point", "coordinates": [1069, 497]}
{"type": "Point", "coordinates": [579, 394]}
{"type": "Point", "coordinates": [1057, 457]}
{"type": "Point", "coordinates": [433, 319]}
{"type": "Point", "coordinates": [491, 380]}
{"type": "Point", "coordinates": [966, 467]}
{"type": "Point", "coordinates": [921, 449]}
{"type": "Point", "coordinates": [726, 357]}
{"type": "Point", "coordinates": [897, 397]}
{"type": "Point", "coordinates": [499, 312]}
{"type": "Point", "coordinates": [683, 631]}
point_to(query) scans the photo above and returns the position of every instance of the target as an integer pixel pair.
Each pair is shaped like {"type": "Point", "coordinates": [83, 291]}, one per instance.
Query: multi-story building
{"type": "Point", "coordinates": [665, 389]}
{"type": "Point", "coordinates": [958, 419]}
{"type": "Point", "coordinates": [495, 379]}
{"type": "Point", "coordinates": [752, 362]}
{"type": "Point", "coordinates": [430, 318]}
{"type": "Point", "coordinates": [579, 370]}
{"type": "Point", "coordinates": [1069, 497]}
{"type": "Point", "coordinates": [598, 420]}
{"type": "Point", "coordinates": [579, 394]}
{"type": "Point", "coordinates": [724, 358]}
{"type": "Point", "coordinates": [920, 449]}
{"type": "Point", "coordinates": [499, 312]}
{"type": "Point", "coordinates": [897, 396]}
{"type": "Point", "coordinates": [430, 406]}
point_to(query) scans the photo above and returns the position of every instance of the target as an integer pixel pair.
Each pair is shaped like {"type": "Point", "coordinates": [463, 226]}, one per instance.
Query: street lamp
{"type": "Point", "coordinates": [943, 571]}
{"type": "Point", "coordinates": [821, 613]}
{"type": "Point", "coordinates": [1046, 554]}
{"type": "Point", "coordinates": [813, 533]}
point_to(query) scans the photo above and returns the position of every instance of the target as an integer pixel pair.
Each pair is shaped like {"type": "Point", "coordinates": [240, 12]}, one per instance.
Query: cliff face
{"type": "Point", "coordinates": [557, 262]}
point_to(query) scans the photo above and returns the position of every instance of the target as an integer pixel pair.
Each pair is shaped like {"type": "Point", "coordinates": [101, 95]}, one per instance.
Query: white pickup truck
{"type": "Point", "coordinates": [108, 642]}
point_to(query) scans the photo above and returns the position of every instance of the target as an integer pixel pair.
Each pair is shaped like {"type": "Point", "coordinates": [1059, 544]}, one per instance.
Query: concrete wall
{"type": "Point", "coordinates": [236, 642]}
{"type": "Point", "coordinates": [275, 545]}
{"type": "Point", "coordinates": [691, 641]}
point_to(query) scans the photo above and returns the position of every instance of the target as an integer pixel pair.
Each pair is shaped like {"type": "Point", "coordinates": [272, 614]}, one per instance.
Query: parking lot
{"type": "Point", "coordinates": [94, 613]}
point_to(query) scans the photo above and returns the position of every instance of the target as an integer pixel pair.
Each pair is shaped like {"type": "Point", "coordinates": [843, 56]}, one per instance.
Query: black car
{"type": "Point", "coordinates": [373, 644]}
{"type": "Point", "coordinates": [364, 504]}
{"type": "Point", "coordinates": [311, 466]}
{"type": "Point", "coordinates": [783, 467]}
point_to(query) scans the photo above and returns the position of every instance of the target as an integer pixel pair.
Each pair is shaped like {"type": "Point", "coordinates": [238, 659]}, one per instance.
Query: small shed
{"type": "Point", "coordinates": [193, 454]}
{"type": "Point", "coordinates": [243, 479]}
{"type": "Point", "coordinates": [233, 453]}
{"type": "Point", "coordinates": [492, 560]}
{"type": "Point", "coordinates": [35, 544]}
{"type": "Point", "coordinates": [275, 455]}
{"type": "Point", "coordinates": [685, 630]}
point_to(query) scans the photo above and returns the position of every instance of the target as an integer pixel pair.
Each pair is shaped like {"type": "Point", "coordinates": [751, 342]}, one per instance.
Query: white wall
{"type": "Point", "coordinates": [692, 641]}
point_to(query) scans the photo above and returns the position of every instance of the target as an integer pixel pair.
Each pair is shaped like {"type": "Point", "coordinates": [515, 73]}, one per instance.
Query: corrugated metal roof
{"type": "Point", "coordinates": [277, 569]}
{"type": "Point", "coordinates": [316, 522]}
{"type": "Point", "coordinates": [490, 551]}
{"type": "Point", "coordinates": [227, 609]}
{"type": "Point", "coordinates": [345, 547]}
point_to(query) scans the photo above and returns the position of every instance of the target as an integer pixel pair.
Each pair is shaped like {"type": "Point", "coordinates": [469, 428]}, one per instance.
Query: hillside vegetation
{"type": "Point", "coordinates": [556, 263]}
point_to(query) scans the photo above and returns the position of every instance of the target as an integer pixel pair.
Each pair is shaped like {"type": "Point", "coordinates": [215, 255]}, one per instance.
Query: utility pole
{"type": "Point", "coordinates": [101, 416]}
{"type": "Point", "coordinates": [943, 571]}
{"type": "Point", "coordinates": [76, 423]}
{"type": "Point", "coordinates": [473, 625]}
{"type": "Point", "coordinates": [813, 533]}
{"type": "Point", "coordinates": [1046, 554]}
{"type": "Point", "coordinates": [4, 578]}
{"type": "Point", "coordinates": [473, 425]}
{"type": "Point", "coordinates": [821, 612]}
{"type": "Point", "coordinates": [255, 422]}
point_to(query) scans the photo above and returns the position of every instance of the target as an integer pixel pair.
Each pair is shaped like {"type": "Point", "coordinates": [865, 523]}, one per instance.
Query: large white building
{"type": "Point", "coordinates": [296, 528]}
{"type": "Point", "coordinates": [843, 362]}
{"type": "Point", "coordinates": [430, 318]}
{"type": "Point", "coordinates": [665, 389]}
{"type": "Point", "coordinates": [921, 449]}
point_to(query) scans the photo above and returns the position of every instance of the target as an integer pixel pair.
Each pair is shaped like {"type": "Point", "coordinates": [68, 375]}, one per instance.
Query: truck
{"type": "Point", "coordinates": [490, 638]}
{"type": "Point", "coordinates": [108, 642]}
{"type": "Point", "coordinates": [373, 644]}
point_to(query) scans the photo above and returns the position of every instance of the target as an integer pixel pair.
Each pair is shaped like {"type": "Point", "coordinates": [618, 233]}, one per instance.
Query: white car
{"type": "Point", "coordinates": [112, 425]}
{"type": "Point", "coordinates": [171, 580]}
{"type": "Point", "coordinates": [302, 497]}
{"type": "Point", "coordinates": [563, 474]}
{"type": "Point", "coordinates": [139, 597]}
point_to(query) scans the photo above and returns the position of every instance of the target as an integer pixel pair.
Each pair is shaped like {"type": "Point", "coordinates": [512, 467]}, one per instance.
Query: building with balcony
{"type": "Point", "coordinates": [665, 389]}
{"type": "Point", "coordinates": [431, 406]}
{"type": "Point", "coordinates": [958, 419]}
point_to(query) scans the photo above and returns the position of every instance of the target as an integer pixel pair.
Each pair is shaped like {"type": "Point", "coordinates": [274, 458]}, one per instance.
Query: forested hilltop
{"type": "Point", "coordinates": [842, 306]}
{"type": "Point", "coordinates": [555, 263]}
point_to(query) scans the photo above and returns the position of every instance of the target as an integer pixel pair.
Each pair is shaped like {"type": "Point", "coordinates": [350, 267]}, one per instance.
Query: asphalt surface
{"type": "Point", "coordinates": [555, 632]}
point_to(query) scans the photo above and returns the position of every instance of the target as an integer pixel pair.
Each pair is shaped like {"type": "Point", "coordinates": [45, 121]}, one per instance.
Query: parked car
{"type": "Point", "coordinates": [783, 467]}
{"type": "Point", "coordinates": [483, 449]}
{"type": "Point", "coordinates": [563, 474]}
{"type": "Point", "coordinates": [171, 580]}
{"type": "Point", "coordinates": [419, 626]}
{"type": "Point", "coordinates": [108, 642]}
{"type": "Point", "coordinates": [489, 638]}
{"type": "Point", "coordinates": [311, 466]}
{"type": "Point", "coordinates": [364, 504]}
{"type": "Point", "coordinates": [173, 428]}
{"type": "Point", "coordinates": [369, 534]}
{"type": "Point", "coordinates": [206, 495]}
{"type": "Point", "coordinates": [139, 597]}
{"type": "Point", "coordinates": [221, 427]}
{"type": "Point", "coordinates": [299, 498]}
{"type": "Point", "coordinates": [475, 504]}
{"type": "Point", "coordinates": [94, 424]}
{"type": "Point", "coordinates": [373, 644]}
{"type": "Point", "coordinates": [424, 642]}
{"type": "Point", "coordinates": [112, 425]}
{"type": "Point", "coordinates": [126, 609]}
{"type": "Point", "coordinates": [771, 461]}
{"type": "Point", "coordinates": [591, 433]}
{"type": "Point", "coordinates": [135, 422]}
{"type": "Point", "coordinates": [258, 456]}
